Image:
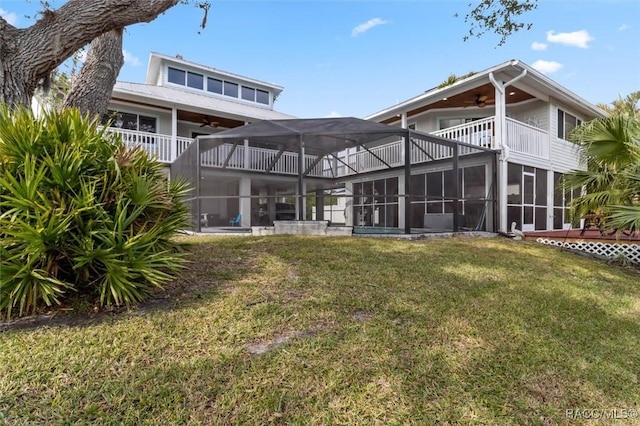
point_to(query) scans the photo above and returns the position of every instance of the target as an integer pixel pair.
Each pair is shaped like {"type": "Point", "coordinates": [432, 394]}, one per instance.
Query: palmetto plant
{"type": "Point", "coordinates": [81, 214]}
{"type": "Point", "coordinates": [611, 148]}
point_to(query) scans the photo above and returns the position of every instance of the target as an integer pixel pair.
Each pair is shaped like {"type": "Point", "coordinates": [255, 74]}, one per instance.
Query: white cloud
{"type": "Point", "coordinates": [333, 114]}
{"type": "Point", "coordinates": [130, 59]}
{"type": "Point", "coordinates": [538, 46]}
{"type": "Point", "coordinates": [546, 67]}
{"type": "Point", "coordinates": [624, 27]}
{"type": "Point", "coordinates": [367, 26]}
{"type": "Point", "coordinates": [10, 17]}
{"type": "Point", "coordinates": [579, 39]}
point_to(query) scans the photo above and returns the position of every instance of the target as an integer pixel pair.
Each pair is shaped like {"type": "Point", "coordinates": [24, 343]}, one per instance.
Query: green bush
{"type": "Point", "coordinates": [80, 214]}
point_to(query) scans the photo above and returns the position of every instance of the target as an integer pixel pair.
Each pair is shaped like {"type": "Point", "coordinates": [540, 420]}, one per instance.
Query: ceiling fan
{"type": "Point", "coordinates": [208, 121]}
{"type": "Point", "coordinates": [481, 101]}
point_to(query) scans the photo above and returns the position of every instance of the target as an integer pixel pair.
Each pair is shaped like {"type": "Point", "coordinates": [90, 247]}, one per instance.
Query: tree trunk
{"type": "Point", "coordinates": [91, 89]}
{"type": "Point", "coordinates": [31, 54]}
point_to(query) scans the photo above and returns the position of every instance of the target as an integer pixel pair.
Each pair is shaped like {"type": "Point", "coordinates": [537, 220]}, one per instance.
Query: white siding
{"type": "Point", "coordinates": [564, 156]}
{"type": "Point", "coordinates": [534, 113]}
{"type": "Point", "coordinates": [529, 160]}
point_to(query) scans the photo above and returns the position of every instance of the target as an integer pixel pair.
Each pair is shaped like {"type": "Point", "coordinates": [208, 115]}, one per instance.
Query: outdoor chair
{"type": "Point", "coordinates": [235, 221]}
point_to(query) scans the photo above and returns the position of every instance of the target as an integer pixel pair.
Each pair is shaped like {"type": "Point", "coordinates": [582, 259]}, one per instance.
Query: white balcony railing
{"type": "Point", "coordinates": [527, 139]}
{"type": "Point", "coordinates": [520, 137]}
{"type": "Point", "coordinates": [156, 144]}
{"type": "Point", "coordinates": [478, 132]}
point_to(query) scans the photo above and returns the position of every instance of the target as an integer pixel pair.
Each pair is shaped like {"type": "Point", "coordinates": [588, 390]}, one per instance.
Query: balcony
{"type": "Point", "coordinates": [155, 144]}
{"type": "Point", "coordinates": [520, 137]}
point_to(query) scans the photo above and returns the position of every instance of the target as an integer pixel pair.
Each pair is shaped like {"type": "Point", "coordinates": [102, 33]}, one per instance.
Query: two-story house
{"type": "Point", "coordinates": [503, 130]}
{"type": "Point", "coordinates": [525, 117]}
{"type": "Point", "coordinates": [181, 100]}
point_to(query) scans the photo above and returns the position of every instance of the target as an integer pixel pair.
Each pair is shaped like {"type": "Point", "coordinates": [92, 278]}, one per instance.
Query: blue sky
{"type": "Point", "coordinates": [354, 58]}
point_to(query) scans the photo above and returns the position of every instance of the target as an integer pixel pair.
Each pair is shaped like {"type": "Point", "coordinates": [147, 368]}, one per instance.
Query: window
{"type": "Point", "coordinates": [262, 97]}
{"type": "Point", "coordinates": [176, 76]}
{"type": "Point", "coordinates": [194, 80]}
{"type": "Point", "coordinates": [248, 93]}
{"type": "Point", "coordinates": [220, 86]}
{"type": "Point", "coordinates": [129, 121]}
{"type": "Point", "coordinates": [566, 123]}
{"type": "Point", "coordinates": [214, 85]}
{"type": "Point", "coordinates": [230, 89]}
{"type": "Point", "coordinates": [376, 203]}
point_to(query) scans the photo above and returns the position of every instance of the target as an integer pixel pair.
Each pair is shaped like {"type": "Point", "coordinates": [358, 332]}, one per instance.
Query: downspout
{"type": "Point", "coordinates": [500, 135]}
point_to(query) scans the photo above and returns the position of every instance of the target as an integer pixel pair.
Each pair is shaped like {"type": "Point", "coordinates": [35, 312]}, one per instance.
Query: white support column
{"type": "Point", "coordinates": [173, 149]}
{"type": "Point", "coordinates": [304, 205]}
{"type": "Point", "coordinates": [402, 203]}
{"type": "Point", "coordinates": [403, 124]}
{"type": "Point", "coordinates": [502, 165]}
{"type": "Point", "coordinates": [500, 143]}
{"type": "Point", "coordinates": [245, 201]}
{"type": "Point", "coordinates": [247, 157]}
{"type": "Point", "coordinates": [550, 193]}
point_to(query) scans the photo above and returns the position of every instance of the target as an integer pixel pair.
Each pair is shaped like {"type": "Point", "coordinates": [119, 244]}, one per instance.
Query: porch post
{"type": "Point", "coordinates": [550, 198]}
{"type": "Point", "coordinates": [247, 158]}
{"type": "Point", "coordinates": [173, 148]}
{"type": "Point", "coordinates": [503, 177]}
{"type": "Point", "coordinates": [319, 205]}
{"type": "Point", "coordinates": [301, 192]}
{"type": "Point", "coordinates": [456, 188]}
{"type": "Point", "coordinates": [198, 185]}
{"type": "Point", "coordinates": [407, 187]}
{"type": "Point", "coordinates": [244, 203]}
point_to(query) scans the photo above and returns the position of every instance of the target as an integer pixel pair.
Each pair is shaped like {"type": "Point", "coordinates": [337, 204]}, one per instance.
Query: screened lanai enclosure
{"type": "Point", "coordinates": [352, 172]}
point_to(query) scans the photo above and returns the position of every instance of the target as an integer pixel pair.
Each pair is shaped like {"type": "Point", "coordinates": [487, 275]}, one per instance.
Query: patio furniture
{"type": "Point", "coordinates": [592, 221]}
{"type": "Point", "coordinates": [235, 221]}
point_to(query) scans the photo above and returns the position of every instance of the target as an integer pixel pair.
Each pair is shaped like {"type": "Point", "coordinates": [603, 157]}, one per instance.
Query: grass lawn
{"type": "Point", "coordinates": [308, 330]}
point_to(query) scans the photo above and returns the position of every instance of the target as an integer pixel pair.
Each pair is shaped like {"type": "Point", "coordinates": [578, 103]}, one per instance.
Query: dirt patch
{"type": "Point", "coordinates": [362, 316]}
{"type": "Point", "coordinates": [263, 346]}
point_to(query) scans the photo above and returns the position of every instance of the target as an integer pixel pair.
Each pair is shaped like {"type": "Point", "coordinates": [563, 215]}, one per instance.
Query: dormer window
{"type": "Point", "coordinates": [262, 96]}
{"type": "Point", "coordinates": [230, 89]}
{"type": "Point", "coordinates": [220, 86]}
{"type": "Point", "coordinates": [195, 81]}
{"type": "Point", "coordinates": [214, 85]}
{"type": "Point", "coordinates": [176, 76]}
{"type": "Point", "coordinates": [248, 93]}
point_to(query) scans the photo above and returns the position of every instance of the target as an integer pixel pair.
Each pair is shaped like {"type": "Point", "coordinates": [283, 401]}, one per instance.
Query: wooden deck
{"type": "Point", "coordinates": [573, 235]}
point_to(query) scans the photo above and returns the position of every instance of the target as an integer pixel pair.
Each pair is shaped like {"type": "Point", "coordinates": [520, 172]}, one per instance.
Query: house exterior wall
{"type": "Point", "coordinates": [564, 155]}
{"type": "Point", "coordinates": [535, 113]}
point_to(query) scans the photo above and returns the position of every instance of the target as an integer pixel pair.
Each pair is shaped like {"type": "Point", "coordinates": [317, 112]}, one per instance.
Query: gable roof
{"type": "Point", "coordinates": [507, 70]}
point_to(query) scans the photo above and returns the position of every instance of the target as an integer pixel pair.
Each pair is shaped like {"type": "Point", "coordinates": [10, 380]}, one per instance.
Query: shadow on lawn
{"type": "Point", "coordinates": [211, 267]}
{"type": "Point", "coordinates": [447, 331]}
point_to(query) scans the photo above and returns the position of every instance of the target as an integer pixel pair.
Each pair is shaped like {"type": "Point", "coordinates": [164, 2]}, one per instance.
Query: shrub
{"type": "Point", "coordinates": [81, 214]}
